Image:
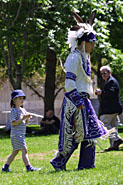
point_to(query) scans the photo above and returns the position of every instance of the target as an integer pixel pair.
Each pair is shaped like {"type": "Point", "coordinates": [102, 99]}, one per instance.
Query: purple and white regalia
{"type": "Point", "coordinates": [78, 125]}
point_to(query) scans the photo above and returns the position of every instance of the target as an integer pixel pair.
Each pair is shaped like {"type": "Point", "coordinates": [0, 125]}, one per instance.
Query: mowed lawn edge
{"type": "Point", "coordinates": [41, 149]}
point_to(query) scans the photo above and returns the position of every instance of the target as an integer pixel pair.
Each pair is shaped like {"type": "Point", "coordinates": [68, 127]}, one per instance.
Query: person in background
{"type": "Point", "coordinates": [50, 124]}
{"type": "Point", "coordinates": [18, 119]}
{"type": "Point", "coordinates": [110, 106]}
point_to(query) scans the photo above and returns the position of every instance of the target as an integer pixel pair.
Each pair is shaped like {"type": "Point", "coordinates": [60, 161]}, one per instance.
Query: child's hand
{"type": "Point", "coordinates": [26, 117]}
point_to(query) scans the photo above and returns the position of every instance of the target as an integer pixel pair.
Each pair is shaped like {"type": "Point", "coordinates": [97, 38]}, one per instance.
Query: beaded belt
{"type": "Point", "coordinates": [84, 95]}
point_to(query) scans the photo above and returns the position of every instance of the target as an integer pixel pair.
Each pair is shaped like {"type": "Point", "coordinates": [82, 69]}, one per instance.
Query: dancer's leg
{"type": "Point", "coordinates": [87, 156]}
{"type": "Point", "coordinates": [59, 162]}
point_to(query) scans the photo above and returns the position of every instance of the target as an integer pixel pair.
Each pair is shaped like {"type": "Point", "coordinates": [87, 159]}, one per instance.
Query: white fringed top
{"type": "Point", "coordinates": [74, 65]}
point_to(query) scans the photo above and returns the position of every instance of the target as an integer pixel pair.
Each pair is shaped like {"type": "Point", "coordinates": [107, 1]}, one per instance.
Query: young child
{"type": "Point", "coordinates": [18, 118]}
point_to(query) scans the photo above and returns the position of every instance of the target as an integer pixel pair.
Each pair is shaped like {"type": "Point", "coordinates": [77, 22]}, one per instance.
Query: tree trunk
{"type": "Point", "coordinates": [50, 80]}
{"type": "Point", "coordinates": [100, 80]}
{"type": "Point", "coordinates": [19, 80]}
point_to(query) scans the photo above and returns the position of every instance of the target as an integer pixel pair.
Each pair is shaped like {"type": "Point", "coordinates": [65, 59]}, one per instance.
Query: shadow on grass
{"type": "Point", "coordinates": [99, 152]}
{"type": "Point", "coordinates": [120, 130]}
{"type": "Point", "coordinates": [67, 171]}
{"type": "Point", "coordinates": [32, 131]}
{"type": "Point", "coordinates": [35, 131]}
{"type": "Point", "coordinates": [121, 148]}
{"type": "Point", "coordinates": [3, 134]}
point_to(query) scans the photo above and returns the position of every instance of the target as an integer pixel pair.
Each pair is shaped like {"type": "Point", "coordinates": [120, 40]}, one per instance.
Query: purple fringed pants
{"type": "Point", "coordinates": [87, 156]}
{"type": "Point", "coordinates": [60, 161]}
{"type": "Point", "coordinates": [86, 160]}
{"type": "Point", "coordinates": [92, 129]}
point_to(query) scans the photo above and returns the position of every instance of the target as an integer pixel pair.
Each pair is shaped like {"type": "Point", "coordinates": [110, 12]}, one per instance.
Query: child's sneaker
{"type": "Point", "coordinates": [6, 170]}
{"type": "Point", "coordinates": [33, 169]}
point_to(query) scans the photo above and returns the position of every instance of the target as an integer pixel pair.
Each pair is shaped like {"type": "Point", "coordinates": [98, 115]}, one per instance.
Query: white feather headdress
{"type": "Point", "coordinates": [79, 30]}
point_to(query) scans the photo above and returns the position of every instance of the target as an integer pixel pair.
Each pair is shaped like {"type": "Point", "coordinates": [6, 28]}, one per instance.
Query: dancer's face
{"type": "Point", "coordinates": [89, 46]}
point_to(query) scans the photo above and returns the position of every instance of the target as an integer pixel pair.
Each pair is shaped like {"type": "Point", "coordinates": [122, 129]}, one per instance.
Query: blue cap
{"type": "Point", "coordinates": [17, 93]}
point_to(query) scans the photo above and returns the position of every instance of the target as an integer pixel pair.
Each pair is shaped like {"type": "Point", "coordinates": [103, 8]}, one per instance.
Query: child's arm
{"type": "Point", "coordinates": [27, 120]}
{"type": "Point", "coordinates": [17, 122]}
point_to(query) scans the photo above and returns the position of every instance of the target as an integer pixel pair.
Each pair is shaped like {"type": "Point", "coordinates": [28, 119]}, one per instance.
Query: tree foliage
{"type": "Point", "coordinates": [30, 28]}
{"type": "Point", "coordinates": [20, 47]}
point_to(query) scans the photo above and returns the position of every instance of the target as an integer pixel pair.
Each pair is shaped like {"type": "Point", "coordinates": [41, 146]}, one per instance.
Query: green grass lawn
{"type": "Point", "coordinates": [41, 149]}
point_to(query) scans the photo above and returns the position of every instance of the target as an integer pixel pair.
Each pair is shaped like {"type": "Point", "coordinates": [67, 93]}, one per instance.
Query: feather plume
{"type": "Point", "coordinates": [91, 21]}
{"type": "Point", "coordinates": [77, 18]}
{"type": "Point", "coordinates": [75, 28]}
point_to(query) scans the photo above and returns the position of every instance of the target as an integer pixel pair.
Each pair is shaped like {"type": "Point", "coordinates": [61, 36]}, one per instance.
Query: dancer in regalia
{"type": "Point", "coordinates": [79, 123]}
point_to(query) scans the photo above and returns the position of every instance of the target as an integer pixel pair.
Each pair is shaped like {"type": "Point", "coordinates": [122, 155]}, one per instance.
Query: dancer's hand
{"type": "Point", "coordinates": [81, 107]}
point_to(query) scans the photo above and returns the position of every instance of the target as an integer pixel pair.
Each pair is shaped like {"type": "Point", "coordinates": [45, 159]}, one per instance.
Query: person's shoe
{"type": "Point", "coordinates": [117, 143]}
{"type": "Point", "coordinates": [89, 167]}
{"type": "Point", "coordinates": [58, 168]}
{"type": "Point", "coordinates": [111, 149]}
{"type": "Point", "coordinates": [6, 170]}
{"type": "Point", "coordinates": [33, 169]}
